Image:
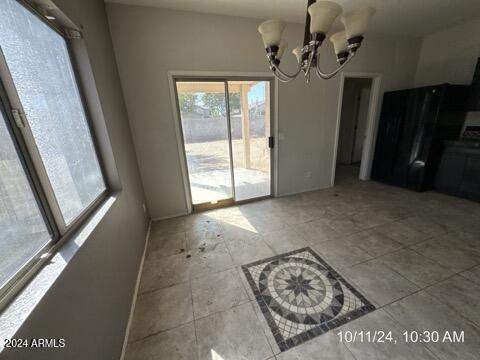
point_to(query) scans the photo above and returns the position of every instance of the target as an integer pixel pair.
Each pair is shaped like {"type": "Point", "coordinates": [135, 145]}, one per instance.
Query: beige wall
{"type": "Point", "coordinates": [89, 303]}
{"type": "Point", "coordinates": [149, 42]}
{"type": "Point", "coordinates": [449, 55]}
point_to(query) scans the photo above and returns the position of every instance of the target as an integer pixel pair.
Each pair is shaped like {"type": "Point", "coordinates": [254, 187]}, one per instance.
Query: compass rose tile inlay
{"type": "Point", "coordinates": [301, 296]}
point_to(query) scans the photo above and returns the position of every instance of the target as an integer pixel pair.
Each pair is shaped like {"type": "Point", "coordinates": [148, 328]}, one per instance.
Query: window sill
{"type": "Point", "coordinates": [22, 305]}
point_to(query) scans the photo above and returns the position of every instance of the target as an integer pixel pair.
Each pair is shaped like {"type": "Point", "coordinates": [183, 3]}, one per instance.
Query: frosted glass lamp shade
{"type": "Point", "coordinates": [281, 49]}
{"type": "Point", "coordinates": [322, 16]}
{"type": "Point", "coordinates": [298, 53]}
{"type": "Point", "coordinates": [271, 31]}
{"type": "Point", "coordinates": [356, 22]}
{"type": "Point", "coordinates": [339, 42]}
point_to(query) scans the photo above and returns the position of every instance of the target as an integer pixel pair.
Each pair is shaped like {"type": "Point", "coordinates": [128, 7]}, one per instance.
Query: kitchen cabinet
{"type": "Point", "coordinates": [459, 170]}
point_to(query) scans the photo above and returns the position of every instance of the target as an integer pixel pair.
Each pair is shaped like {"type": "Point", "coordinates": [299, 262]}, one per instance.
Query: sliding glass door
{"type": "Point", "coordinates": [203, 112]}
{"type": "Point", "coordinates": [226, 129]}
{"type": "Point", "coordinates": [250, 128]}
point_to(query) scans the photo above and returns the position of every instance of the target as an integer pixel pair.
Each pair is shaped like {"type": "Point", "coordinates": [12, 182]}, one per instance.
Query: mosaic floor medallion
{"type": "Point", "coordinates": [302, 297]}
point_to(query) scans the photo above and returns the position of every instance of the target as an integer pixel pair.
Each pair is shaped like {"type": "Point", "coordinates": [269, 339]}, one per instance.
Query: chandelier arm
{"type": "Point", "coordinates": [276, 68]}
{"type": "Point", "coordinates": [325, 76]}
{"type": "Point", "coordinates": [309, 64]}
{"type": "Point", "coordinates": [280, 77]}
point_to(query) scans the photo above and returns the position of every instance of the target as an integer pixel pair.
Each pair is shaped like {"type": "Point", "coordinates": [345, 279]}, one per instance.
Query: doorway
{"type": "Point", "coordinates": [226, 137]}
{"type": "Point", "coordinates": [354, 118]}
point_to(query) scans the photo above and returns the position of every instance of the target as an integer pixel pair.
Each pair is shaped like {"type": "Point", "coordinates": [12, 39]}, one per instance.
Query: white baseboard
{"type": "Point", "coordinates": [135, 293]}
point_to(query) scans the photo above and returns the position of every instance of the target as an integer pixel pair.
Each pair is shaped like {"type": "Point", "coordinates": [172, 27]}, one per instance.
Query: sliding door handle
{"type": "Point", "coordinates": [271, 142]}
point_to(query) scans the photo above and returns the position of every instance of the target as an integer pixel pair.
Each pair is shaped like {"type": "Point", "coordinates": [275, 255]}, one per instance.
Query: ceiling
{"type": "Point", "coordinates": [399, 17]}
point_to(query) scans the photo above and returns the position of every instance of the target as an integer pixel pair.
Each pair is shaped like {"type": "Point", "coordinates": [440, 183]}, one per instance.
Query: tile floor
{"type": "Point", "coordinates": [414, 256]}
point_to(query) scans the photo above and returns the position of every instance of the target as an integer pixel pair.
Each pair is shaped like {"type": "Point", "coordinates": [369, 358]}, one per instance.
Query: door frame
{"type": "Point", "coordinates": [174, 75]}
{"type": "Point", "coordinates": [371, 128]}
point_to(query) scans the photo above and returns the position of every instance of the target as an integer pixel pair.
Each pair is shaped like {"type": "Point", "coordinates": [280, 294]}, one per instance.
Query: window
{"type": "Point", "coordinates": [39, 63]}
{"type": "Point", "coordinates": [22, 228]}
{"type": "Point", "coordinates": [47, 108]}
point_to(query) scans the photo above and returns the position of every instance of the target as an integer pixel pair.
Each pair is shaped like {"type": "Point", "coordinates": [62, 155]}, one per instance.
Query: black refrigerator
{"type": "Point", "coordinates": [413, 124]}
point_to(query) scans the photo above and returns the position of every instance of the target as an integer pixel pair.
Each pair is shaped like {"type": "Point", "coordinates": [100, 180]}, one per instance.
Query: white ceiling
{"type": "Point", "coordinates": [401, 17]}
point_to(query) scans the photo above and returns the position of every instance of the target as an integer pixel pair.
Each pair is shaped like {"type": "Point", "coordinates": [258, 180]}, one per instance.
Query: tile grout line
{"type": "Point", "coordinates": [262, 328]}
{"type": "Point", "coordinates": [161, 332]}
{"type": "Point", "coordinates": [193, 317]}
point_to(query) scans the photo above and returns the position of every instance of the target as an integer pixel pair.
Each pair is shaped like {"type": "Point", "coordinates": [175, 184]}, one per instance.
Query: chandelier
{"type": "Point", "coordinates": [320, 17]}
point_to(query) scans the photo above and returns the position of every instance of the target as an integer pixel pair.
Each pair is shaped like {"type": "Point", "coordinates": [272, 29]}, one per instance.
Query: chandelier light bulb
{"type": "Point", "coordinates": [323, 14]}
{"type": "Point", "coordinates": [339, 41]}
{"type": "Point", "coordinates": [271, 31]}
{"type": "Point", "coordinates": [340, 46]}
{"type": "Point", "coordinates": [298, 53]}
{"type": "Point", "coordinates": [281, 48]}
{"type": "Point", "coordinates": [356, 22]}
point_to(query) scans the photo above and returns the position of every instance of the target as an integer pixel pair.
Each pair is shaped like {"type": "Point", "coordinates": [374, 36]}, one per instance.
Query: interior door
{"type": "Point", "coordinates": [361, 125]}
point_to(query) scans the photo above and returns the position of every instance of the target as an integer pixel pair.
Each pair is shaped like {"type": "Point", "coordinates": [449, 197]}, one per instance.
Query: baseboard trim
{"type": "Point", "coordinates": [135, 293]}
{"type": "Point", "coordinates": [304, 191]}
{"type": "Point", "coordinates": [170, 216]}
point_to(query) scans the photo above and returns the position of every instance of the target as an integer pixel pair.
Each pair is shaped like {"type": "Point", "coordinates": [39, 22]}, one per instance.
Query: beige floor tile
{"type": "Point", "coordinates": [342, 225]}
{"type": "Point", "coordinates": [299, 216]}
{"type": "Point", "coordinates": [245, 250]}
{"type": "Point", "coordinates": [340, 207]}
{"type": "Point", "coordinates": [455, 255]}
{"type": "Point", "coordinates": [165, 271]}
{"type": "Point", "coordinates": [210, 259]}
{"type": "Point", "coordinates": [373, 242]}
{"type": "Point", "coordinates": [217, 292]}
{"type": "Point", "coordinates": [232, 334]}
{"type": "Point", "coordinates": [166, 245]}
{"type": "Point", "coordinates": [316, 232]}
{"type": "Point", "coordinates": [161, 310]}
{"type": "Point", "coordinates": [202, 238]}
{"type": "Point", "coordinates": [169, 226]}
{"type": "Point", "coordinates": [341, 254]}
{"type": "Point", "coordinates": [403, 233]}
{"type": "Point", "coordinates": [472, 274]}
{"type": "Point", "coordinates": [416, 268]}
{"type": "Point", "coordinates": [284, 240]}
{"type": "Point", "coordinates": [423, 312]}
{"type": "Point", "coordinates": [379, 283]}
{"type": "Point", "coordinates": [325, 347]}
{"type": "Point", "coordinates": [461, 295]}
{"type": "Point", "coordinates": [178, 344]}
{"type": "Point", "coordinates": [201, 221]}
{"type": "Point", "coordinates": [265, 223]}
{"type": "Point", "coordinates": [426, 224]}
{"type": "Point", "coordinates": [466, 239]}
{"type": "Point", "coordinates": [369, 219]}
{"type": "Point", "coordinates": [238, 228]}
